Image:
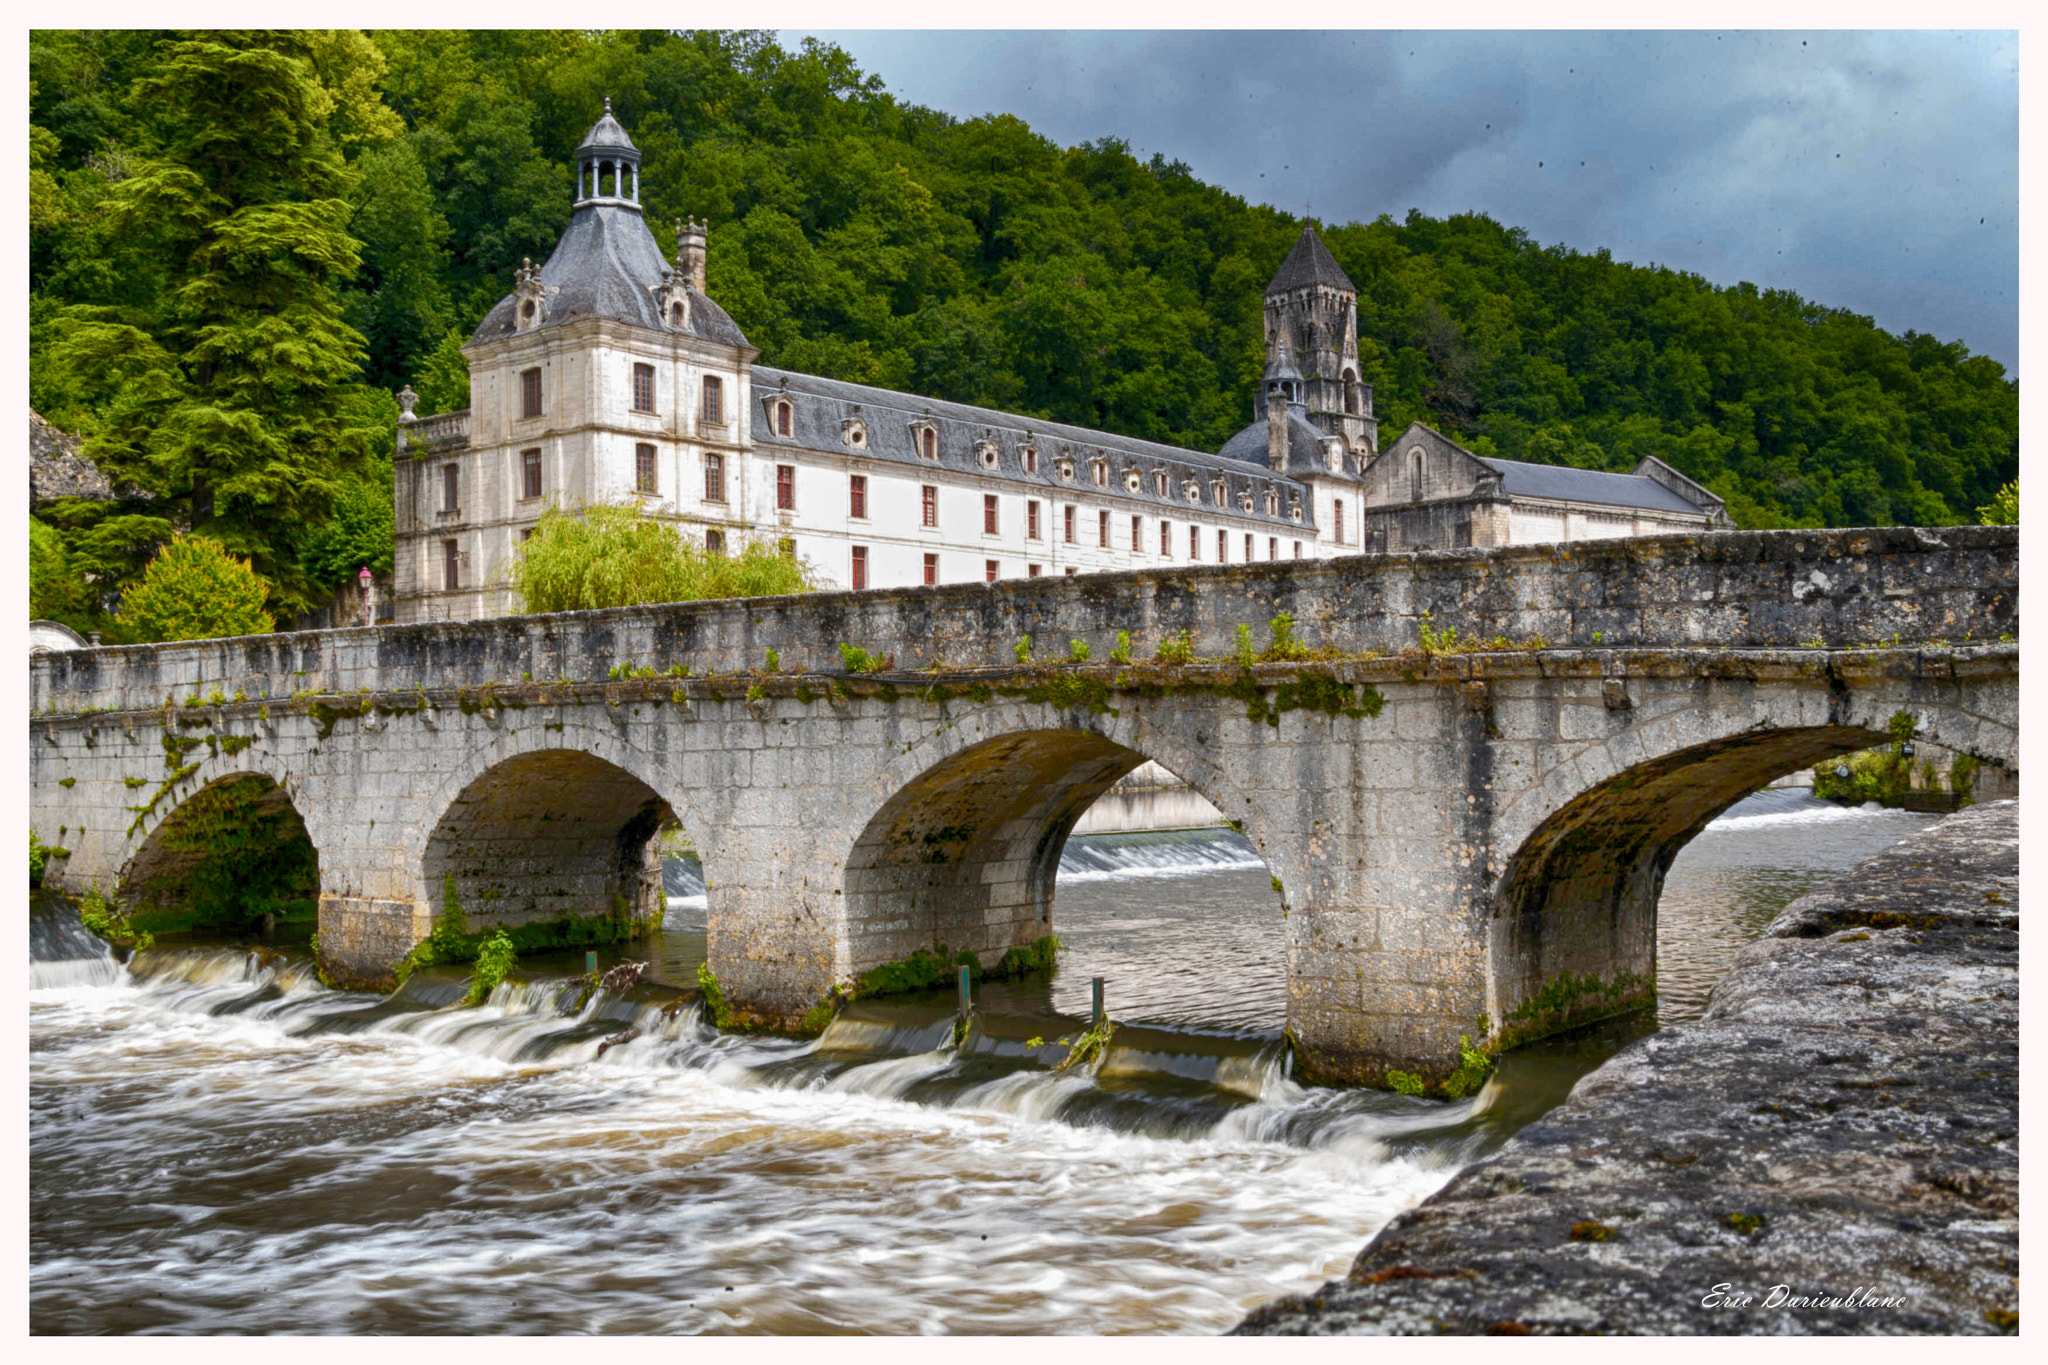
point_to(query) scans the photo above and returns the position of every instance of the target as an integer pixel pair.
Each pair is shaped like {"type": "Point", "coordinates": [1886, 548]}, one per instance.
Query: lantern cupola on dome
{"type": "Point", "coordinates": [607, 164]}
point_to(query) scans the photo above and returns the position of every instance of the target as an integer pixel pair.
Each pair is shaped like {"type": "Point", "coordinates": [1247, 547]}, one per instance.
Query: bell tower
{"type": "Point", "coordinates": [1312, 318]}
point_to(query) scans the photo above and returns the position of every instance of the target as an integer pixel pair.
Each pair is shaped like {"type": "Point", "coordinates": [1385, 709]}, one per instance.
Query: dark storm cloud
{"type": "Point", "coordinates": [1852, 167]}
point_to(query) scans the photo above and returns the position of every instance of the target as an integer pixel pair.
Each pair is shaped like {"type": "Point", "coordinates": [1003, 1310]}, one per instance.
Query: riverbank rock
{"type": "Point", "coordinates": [1832, 1149]}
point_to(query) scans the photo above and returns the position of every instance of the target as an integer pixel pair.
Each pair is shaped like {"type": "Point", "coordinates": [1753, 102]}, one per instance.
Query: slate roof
{"type": "Point", "coordinates": [1304, 444]}
{"type": "Point", "coordinates": [607, 265]}
{"type": "Point", "coordinates": [1566, 484]}
{"type": "Point", "coordinates": [606, 135]}
{"type": "Point", "coordinates": [1309, 263]}
{"type": "Point", "coordinates": [819, 406]}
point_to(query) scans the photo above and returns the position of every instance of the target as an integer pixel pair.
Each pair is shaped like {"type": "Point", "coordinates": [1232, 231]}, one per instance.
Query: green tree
{"type": "Point", "coordinates": [56, 590]}
{"type": "Point", "coordinates": [2003, 509]}
{"type": "Point", "coordinates": [195, 590]}
{"type": "Point", "coordinates": [225, 394]}
{"type": "Point", "coordinates": [612, 556]}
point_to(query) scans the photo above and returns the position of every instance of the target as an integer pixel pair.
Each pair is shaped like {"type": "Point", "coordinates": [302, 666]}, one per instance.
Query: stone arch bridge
{"type": "Point", "coordinates": [1470, 840]}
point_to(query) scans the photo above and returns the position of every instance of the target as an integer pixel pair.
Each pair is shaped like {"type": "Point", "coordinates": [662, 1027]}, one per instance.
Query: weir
{"type": "Point", "coordinates": [1467, 771]}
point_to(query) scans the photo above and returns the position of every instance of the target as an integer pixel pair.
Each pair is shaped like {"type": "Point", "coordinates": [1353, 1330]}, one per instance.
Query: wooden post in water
{"type": "Point", "coordinates": [966, 993]}
{"type": "Point", "coordinates": [1096, 1018]}
{"type": "Point", "coordinates": [590, 962]}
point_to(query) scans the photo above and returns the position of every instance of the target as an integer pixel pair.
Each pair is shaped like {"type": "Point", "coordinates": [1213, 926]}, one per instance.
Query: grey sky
{"type": "Point", "coordinates": [1873, 171]}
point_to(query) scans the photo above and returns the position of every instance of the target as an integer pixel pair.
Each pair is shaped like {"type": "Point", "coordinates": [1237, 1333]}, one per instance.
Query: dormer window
{"type": "Point", "coordinates": [1100, 470]}
{"type": "Point", "coordinates": [1294, 509]}
{"type": "Point", "coordinates": [1134, 482]}
{"type": "Point", "coordinates": [925, 435]}
{"type": "Point", "coordinates": [1192, 490]}
{"type": "Point", "coordinates": [676, 316]}
{"type": "Point", "coordinates": [1159, 482]}
{"type": "Point", "coordinates": [1066, 471]}
{"type": "Point", "coordinates": [985, 451]}
{"type": "Point", "coordinates": [782, 418]}
{"type": "Point", "coordinates": [1272, 502]}
{"type": "Point", "coordinates": [853, 433]}
{"type": "Point", "coordinates": [1219, 493]}
{"type": "Point", "coordinates": [531, 296]}
{"type": "Point", "coordinates": [1029, 454]}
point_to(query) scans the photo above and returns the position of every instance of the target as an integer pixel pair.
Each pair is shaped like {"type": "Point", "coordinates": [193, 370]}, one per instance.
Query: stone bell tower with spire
{"type": "Point", "coordinates": [1312, 307]}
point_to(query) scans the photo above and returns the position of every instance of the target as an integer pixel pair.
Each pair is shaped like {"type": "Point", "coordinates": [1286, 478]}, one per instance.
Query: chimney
{"type": "Point", "coordinates": [1276, 427]}
{"type": "Point", "coordinates": [690, 252]}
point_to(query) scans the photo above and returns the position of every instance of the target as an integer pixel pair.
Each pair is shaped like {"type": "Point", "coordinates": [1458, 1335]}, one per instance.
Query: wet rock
{"type": "Point", "coordinates": [1840, 1127]}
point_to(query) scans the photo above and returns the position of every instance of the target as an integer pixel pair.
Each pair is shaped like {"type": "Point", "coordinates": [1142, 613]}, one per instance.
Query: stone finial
{"type": "Point", "coordinates": [407, 401]}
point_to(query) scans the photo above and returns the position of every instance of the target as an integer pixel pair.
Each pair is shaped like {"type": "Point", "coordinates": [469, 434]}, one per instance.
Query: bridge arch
{"type": "Point", "coordinates": [962, 845]}
{"type": "Point", "coordinates": [1590, 840]}
{"type": "Point", "coordinates": [551, 823]}
{"type": "Point", "coordinates": [226, 850]}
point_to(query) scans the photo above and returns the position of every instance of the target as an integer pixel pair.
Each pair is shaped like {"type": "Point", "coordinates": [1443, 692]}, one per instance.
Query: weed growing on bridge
{"type": "Point", "coordinates": [1023, 650]}
{"type": "Point", "coordinates": [1436, 643]}
{"type": "Point", "coordinates": [774, 660]}
{"type": "Point", "coordinates": [858, 660]}
{"type": "Point", "coordinates": [494, 960]}
{"type": "Point", "coordinates": [1176, 649]}
{"type": "Point", "coordinates": [1243, 651]}
{"type": "Point", "coordinates": [1090, 1047]}
{"type": "Point", "coordinates": [99, 916]}
{"type": "Point", "coordinates": [1077, 651]}
{"type": "Point", "coordinates": [1122, 653]}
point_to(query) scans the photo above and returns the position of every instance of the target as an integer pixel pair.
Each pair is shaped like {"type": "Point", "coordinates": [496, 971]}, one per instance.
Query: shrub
{"type": "Point", "coordinates": [35, 860]}
{"type": "Point", "coordinates": [613, 556]}
{"type": "Point", "coordinates": [1177, 649]}
{"type": "Point", "coordinates": [2003, 509]}
{"type": "Point", "coordinates": [1122, 653]}
{"type": "Point", "coordinates": [494, 960]}
{"type": "Point", "coordinates": [195, 590]}
{"type": "Point", "coordinates": [1077, 651]}
{"type": "Point", "coordinates": [57, 591]}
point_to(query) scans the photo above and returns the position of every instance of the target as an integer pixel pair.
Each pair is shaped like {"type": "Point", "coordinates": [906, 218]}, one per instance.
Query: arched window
{"type": "Point", "coordinates": [1350, 394]}
{"type": "Point", "coordinates": [675, 313]}
{"type": "Point", "coordinates": [782, 419]}
{"type": "Point", "coordinates": [1415, 477]}
{"type": "Point", "coordinates": [929, 440]}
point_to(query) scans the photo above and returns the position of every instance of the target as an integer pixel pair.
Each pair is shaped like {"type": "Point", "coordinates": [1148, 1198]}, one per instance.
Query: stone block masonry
{"type": "Point", "coordinates": [1832, 1149]}
{"type": "Point", "coordinates": [1471, 843]}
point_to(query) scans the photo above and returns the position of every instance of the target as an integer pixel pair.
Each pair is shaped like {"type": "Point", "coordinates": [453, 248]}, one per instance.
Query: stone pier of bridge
{"type": "Point", "coordinates": [1470, 839]}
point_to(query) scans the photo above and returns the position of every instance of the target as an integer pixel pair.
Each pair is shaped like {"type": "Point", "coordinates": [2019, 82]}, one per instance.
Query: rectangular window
{"type": "Point", "coordinates": [1339, 521]}
{"type": "Point", "coordinates": [857, 497]}
{"type": "Point", "coordinates": [931, 504]}
{"type": "Point", "coordinates": [529, 473]}
{"type": "Point", "coordinates": [1069, 528]}
{"type": "Point", "coordinates": [525, 534]}
{"type": "Point", "coordinates": [1102, 528]}
{"type": "Point", "coordinates": [1070, 571]}
{"type": "Point", "coordinates": [714, 542]}
{"type": "Point", "coordinates": [451, 566]}
{"type": "Point", "coordinates": [1030, 459]}
{"type": "Point", "coordinates": [1272, 547]}
{"type": "Point", "coordinates": [1101, 474]}
{"type": "Point", "coordinates": [1166, 540]}
{"type": "Point", "coordinates": [714, 399]}
{"type": "Point", "coordinates": [785, 488]}
{"type": "Point", "coordinates": [990, 525]}
{"type": "Point", "coordinates": [529, 393]}
{"type": "Point", "coordinates": [931, 570]}
{"type": "Point", "coordinates": [1033, 570]}
{"type": "Point", "coordinates": [1194, 542]}
{"type": "Point", "coordinates": [450, 486]}
{"type": "Point", "coordinates": [1031, 518]}
{"type": "Point", "coordinates": [1247, 547]}
{"type": "Point", "coordinates": [1137, 535]}
{"type": "Point", "coordinates": [860, 566]}
{"type": "Point", "coordinates": [714, 477]}
{"type": "Point", "coordinates": [992, 568]}
{"type": "Point", "coordinates": [1297, 549]}
{"type": "Point", "coordinates": [643, 388]}
{"type": "Point", "coordinates": [1222, 547]}
{"type": "Point", "coordinates": [643, 470]}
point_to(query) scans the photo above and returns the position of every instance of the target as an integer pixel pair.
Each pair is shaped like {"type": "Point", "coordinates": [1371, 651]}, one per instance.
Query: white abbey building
{"type": "Point", "coordinates": [608, 375]}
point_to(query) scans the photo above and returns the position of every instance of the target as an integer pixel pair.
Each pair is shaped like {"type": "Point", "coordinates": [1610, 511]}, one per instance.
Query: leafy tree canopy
{"type": "Point", "coordinates": [195, 590]}
{"type": "Point", "coordinates": [612, 556]}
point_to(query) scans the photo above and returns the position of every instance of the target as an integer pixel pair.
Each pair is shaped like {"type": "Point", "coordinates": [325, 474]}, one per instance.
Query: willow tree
{"type": "Point", "coordinates": [225, 394]}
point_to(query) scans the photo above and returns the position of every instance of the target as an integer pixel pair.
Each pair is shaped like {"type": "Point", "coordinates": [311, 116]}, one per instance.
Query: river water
{"type": "Point", "coordinates": [218, 1144]}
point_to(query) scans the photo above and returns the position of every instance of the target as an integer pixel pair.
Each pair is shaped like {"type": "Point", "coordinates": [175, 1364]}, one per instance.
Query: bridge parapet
{"type": "Point", "coordinates": [1732, 589]}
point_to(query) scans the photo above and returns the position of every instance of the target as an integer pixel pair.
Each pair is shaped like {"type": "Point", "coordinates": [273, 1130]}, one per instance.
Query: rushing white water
{"type": "Point", "coordinates": [218, 1144]}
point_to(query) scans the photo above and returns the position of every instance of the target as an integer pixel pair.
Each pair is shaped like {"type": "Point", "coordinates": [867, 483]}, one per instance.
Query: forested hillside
{"type": "Point", "coordinates": [241, 243]}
